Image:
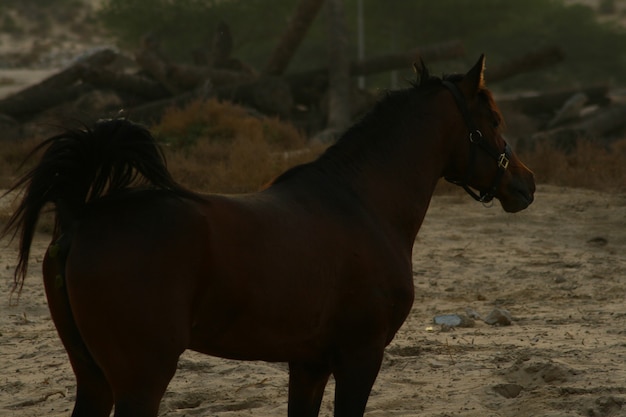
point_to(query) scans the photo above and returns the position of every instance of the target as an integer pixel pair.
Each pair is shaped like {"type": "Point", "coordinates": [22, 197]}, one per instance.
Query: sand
{"type": "Point", "coordinates": [558, 268]}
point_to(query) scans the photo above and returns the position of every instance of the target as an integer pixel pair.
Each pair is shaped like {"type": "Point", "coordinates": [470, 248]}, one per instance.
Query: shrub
{"type": "Point", "coordinates": [590, 165]}
{"type": "Point", "coordinates": [221, 147]}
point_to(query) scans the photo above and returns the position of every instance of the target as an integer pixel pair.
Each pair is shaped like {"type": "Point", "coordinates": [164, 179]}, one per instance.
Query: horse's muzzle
{"type": "Point", "coordinates": [518, 193]}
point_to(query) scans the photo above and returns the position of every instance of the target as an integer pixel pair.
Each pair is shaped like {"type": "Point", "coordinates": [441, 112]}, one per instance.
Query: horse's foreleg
{"type": "Point", "coordinates": [355, 372]}
{"type": "Point", "coordinates": [307, 381]}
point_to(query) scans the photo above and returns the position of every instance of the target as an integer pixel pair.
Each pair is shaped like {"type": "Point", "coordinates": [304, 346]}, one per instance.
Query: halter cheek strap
{"type": "Point", "coordinates": [477, 141]}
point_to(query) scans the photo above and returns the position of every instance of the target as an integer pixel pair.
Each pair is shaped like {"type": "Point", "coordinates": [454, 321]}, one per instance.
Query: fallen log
{"type": "Point", "coordinates": [602, 123]}
{"type": "Point", "coordinates": [571, 110]}
{"type": "Point", "coordinates": [546, 104]}
{"type": "Point", "coordinates": [269, 95]}
{"type": "Point", "coordinates": [309, 86]}
{"type": "Point", "coordinates": [179, 78]}
{"type": "Point", "coordinates": [596, 128]}
{"type": "Point", "coordinates": [532, 61]}
{"type": "Point", "coordinates": [438, 52]}
{"type": "Point", "coordinates": [55, 89]}
{"type": "Point", "coordinates": [151, 113]}
{"type": "Point", "coordinates": [188, 77]}
{"type": "Point", "coordinates": [123, 83]}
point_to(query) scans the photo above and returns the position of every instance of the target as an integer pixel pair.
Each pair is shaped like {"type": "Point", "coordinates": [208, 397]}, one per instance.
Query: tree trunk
{"type": "Point", "coordinates": [303, 16]}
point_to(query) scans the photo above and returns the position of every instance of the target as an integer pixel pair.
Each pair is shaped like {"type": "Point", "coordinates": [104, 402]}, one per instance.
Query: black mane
{"type": "Point", "coordinates": [393, 113]}
{"type": "Point", "coordinates": [394, 116]}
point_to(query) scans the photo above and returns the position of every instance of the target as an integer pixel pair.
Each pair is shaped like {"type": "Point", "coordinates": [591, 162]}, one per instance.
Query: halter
{"type": "Point", "coordinates": [477, 141]}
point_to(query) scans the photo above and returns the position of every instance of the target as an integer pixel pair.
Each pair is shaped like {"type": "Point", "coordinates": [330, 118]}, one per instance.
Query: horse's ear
{"type": "Point", "coordinates": [474, 80]}
{"type": "Point", "coordinates": [422, 72]}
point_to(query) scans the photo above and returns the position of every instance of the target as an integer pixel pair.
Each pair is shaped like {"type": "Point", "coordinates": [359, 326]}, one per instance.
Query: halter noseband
{"type": "Point", "coordinates": [477, 141]}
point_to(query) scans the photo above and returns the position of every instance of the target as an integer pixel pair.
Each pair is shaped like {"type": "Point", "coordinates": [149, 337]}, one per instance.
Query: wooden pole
{"type": "Point", "coordinates": [338, 67]}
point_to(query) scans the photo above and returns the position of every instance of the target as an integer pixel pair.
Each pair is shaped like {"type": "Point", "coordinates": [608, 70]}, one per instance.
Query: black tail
{"type": "Point", "coordinates": [79, 166]}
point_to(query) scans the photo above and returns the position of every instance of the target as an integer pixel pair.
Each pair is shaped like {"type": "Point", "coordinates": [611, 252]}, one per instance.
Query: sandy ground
{"type": "Point", "coordinates": [559, 268]}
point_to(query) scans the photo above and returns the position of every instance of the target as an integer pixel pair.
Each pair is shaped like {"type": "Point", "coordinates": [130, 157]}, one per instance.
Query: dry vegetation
{"type": "Point", "coordinates": [221, 147]}
{"type": "Point", "coordinates": [591, 165]}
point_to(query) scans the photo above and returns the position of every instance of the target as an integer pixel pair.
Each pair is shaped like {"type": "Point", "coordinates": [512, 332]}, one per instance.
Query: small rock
{"type": "Point", "coordinates": [453, 320]}
{"type": "Point", "coordinates": [499, 317]}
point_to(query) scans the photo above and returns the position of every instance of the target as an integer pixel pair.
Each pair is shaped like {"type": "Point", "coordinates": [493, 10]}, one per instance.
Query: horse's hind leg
{"type": "Point", "coordinates": [138, 353]}
{"type": "Point", "coordinates": [307, 381]}
{"type": "Point", "coordinates": [138, 390]}
{"type": "Point", "coordinates": [93, 394]}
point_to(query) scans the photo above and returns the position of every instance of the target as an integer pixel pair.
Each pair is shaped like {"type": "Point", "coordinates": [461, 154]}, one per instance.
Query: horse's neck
{"type": "Point", "coordinates": [396, 184]}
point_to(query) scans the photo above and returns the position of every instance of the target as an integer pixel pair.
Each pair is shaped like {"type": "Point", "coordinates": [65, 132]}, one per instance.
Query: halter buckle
{"type": "Point", "coordinates": [503, 161]}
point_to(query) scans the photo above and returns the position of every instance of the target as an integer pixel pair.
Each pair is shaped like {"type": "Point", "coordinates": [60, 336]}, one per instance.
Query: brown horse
{"type": "Point", "coordinates": [315, 270]}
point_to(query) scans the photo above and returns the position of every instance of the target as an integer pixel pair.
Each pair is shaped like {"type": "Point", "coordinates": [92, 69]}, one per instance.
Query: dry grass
{"type": "Point", "coordinates": [220, 147]}
{"type": "Point", "coordinates": [590, 165]}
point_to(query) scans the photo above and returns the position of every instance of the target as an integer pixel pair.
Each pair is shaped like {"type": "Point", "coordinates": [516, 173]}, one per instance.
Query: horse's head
{"type": "Point", "coordinates": [481, 159]}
